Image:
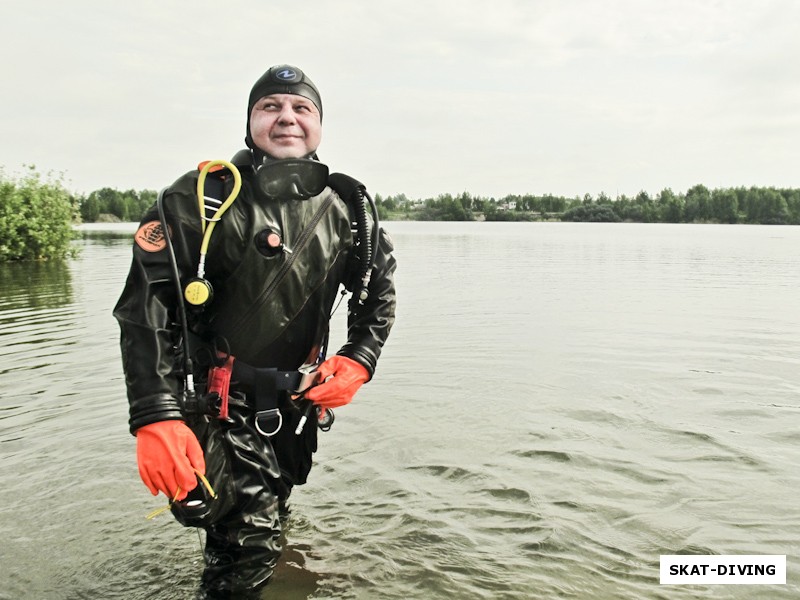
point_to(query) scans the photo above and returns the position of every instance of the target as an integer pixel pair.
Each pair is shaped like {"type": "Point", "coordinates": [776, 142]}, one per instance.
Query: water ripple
{"type": "Point", "coordinates": [546, 425]}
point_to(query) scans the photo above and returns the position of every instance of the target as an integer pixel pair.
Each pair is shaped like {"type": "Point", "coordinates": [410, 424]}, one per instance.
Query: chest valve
{"type": "Point", "coordinates": [270, 243]}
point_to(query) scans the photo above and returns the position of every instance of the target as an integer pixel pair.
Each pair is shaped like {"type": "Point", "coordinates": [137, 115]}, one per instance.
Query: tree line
{"type": "Point", "coordinates": [108, 204]}
{"type": "Point", "coordinates": [699, 204]}
{"type": "Point", "coordinates": [37, 213]}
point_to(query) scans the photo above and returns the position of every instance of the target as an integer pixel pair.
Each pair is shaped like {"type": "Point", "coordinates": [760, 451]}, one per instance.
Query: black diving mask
{"type": "Point", "coordinates": [292, 178]}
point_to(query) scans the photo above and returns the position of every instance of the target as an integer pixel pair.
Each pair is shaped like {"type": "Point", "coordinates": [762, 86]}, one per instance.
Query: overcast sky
{"type": "Point", "coordinates": [510, 96]}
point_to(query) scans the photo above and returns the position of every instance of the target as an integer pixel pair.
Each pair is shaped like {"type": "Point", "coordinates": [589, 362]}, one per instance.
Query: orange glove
{"type": "Point", "coordinates": [168, 454]}
{"type": "Point", "coordinates": [341, 377]}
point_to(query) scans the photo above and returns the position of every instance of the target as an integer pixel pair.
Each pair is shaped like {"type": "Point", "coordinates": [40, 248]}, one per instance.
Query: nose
{"type": "Point", "coordinates": [286, 116]}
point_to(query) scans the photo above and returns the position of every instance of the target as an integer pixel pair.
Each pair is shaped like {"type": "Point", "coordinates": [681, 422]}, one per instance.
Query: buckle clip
{"type": "Point", "coordinates": [309, 377]}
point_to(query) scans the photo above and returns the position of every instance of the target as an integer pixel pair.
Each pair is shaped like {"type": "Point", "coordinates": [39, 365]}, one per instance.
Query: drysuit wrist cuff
{"type": "Point", "coordinates": [362, 360]}
{"type": "Point", "coordinates": [151, 409]}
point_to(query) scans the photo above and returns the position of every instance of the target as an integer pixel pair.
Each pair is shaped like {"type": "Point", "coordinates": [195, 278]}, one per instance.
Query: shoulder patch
{"type": "Point", "coordinates": [150, 237]}
{"type": "Point", "coordinates": [217, 167]}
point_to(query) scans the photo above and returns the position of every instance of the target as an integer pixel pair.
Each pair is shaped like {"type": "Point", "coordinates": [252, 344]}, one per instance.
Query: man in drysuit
{"type": "Point", "coordinates": [230, 379]}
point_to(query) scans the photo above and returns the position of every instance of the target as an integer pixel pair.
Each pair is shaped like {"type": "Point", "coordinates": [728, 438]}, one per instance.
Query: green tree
{"type": "Point", "coordinates": [90, 209]}
{"type": "Point", "coordinates": [647, 209]}
{"type": "Point", "coordinates": [390, 204]}
{"type": "Point", "coordinates": [466, 202]}
{"type": "Point", "coordinates": [775, 209]}
{"type": "Point", "coordinates": [383, 212]}
{"type": "Point", "coordinates": [793, 205]}
{"type": "Point", "coordinates": [553, 204]}
{"type": "Point", "coordinates": [36, 218]}
{"type": "Point", "coordinates": [147, 198]}
{"type": "Point", "coordinates": [725, 206]}
{"type": "Point", "coordinates": [698, 204]}
{"type": "Point", "coordinates": [670, 206]}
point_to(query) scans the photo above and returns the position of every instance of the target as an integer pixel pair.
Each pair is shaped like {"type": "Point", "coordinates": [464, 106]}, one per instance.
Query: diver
{"type": "Point", "coordinates": [224, 322]}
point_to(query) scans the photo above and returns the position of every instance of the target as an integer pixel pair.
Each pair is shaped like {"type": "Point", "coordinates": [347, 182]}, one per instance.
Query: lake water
{"type": "Point", "coordinates": [559, 404]}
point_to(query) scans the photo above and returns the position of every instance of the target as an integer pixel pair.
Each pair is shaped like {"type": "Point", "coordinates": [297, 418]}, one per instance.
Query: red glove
{"type": "Point", "coordinates": [341, 377]}
{"type": "Point", "coordinates": [168, 453]}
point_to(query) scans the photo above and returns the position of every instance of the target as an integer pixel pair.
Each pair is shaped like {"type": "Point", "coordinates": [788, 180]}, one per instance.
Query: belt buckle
{"type": "Point", "coordinates": [309, 376]}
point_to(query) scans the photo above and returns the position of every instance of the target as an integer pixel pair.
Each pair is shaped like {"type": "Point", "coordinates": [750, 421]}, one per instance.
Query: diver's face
{"type": "Point", "coordinates": [286, 126]}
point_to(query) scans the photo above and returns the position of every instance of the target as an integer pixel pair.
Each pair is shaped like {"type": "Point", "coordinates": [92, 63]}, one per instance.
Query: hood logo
{"type": "Point", "coordinates": [286, 75]}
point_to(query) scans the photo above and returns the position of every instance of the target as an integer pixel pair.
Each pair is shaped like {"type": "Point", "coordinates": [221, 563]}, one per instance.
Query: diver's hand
{"type": "Point", "coordinates": [168, 454]}
{"type": "Point", "coordinates": [341, 377]}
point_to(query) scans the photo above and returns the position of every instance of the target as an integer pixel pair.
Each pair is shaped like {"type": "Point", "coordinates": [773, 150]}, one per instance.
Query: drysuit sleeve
{"type": "Point", "coordinates": [369, 325]}
{"type": "Point", "coordinates": [147, 315]}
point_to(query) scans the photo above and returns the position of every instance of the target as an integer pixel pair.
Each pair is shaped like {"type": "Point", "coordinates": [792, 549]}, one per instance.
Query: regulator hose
{"type": "Point", "coordinates": [212, 222]}
{"type": "Point", "coordinates": [365, 245]}
{"type": "Point", "coordinates": [355, 194]}
{"type": "Point", "coordinates": [181, 309]}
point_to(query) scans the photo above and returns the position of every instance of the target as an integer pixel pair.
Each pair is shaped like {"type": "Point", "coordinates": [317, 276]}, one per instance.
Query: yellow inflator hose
{"type": "Point", "coordinates": [212, 222]}
{"type": "Point", "coordinates": [198, 291]}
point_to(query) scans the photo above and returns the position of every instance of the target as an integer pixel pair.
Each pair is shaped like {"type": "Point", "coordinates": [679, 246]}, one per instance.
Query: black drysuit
{"type": "Point", "coordinates": [270, 308]}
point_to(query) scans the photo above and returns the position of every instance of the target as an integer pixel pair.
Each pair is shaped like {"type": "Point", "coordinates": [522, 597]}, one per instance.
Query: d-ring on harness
{"type": "Point", "coordinates": [198, 292]}
{"type": "Point", "coordinates": [265, 383]}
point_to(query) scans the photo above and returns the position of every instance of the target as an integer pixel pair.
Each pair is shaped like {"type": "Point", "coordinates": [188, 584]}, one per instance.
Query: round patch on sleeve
{"type": "Point", "coordinates": [150, 237]}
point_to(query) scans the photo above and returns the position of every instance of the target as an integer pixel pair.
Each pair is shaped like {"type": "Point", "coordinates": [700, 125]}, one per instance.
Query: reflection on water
{"type": "Point", "coordinates": [32, 285]}
{"type": "Point", "coordinates": [559, 404]}
{"type": "Point", "coordinates": [36, 318]}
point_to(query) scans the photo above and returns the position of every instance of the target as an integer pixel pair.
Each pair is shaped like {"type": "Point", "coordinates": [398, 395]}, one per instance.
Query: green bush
{"type": "Point", "coordinates": [35, 218]}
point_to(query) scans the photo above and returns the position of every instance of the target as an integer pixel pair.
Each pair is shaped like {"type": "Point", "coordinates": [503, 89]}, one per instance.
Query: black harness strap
{"type": "Point", "coordinates": [264, 384]}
